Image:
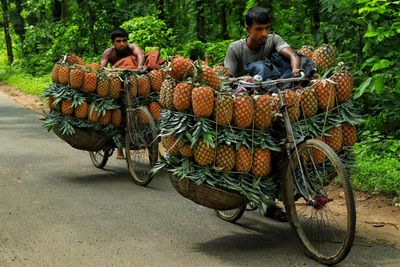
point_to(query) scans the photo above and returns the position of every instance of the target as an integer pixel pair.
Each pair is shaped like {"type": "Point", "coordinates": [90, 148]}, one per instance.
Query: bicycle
{"type": "Point", "coordinates": [311, 170]}
{"type": "Point", "coordinates": [141, 139]}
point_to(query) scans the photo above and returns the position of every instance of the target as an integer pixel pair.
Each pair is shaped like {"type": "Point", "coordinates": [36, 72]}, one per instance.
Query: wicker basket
{"type": "Point", "coordinates": [210, 197]}
{"type": "Point", "coordinates": [84, 139]}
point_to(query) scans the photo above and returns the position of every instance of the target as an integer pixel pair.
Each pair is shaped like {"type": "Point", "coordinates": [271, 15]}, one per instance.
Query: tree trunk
{"type": "Point", "coordinates": [201, 33]}
{"type": "Point", "coordinates": [224, 23]}
{"type": "Point", "coordinates": [160, 7]}
{"type": "Point", "coordinates": [19, 22]}
{"type": "Point", "coordinates": [6, 26]}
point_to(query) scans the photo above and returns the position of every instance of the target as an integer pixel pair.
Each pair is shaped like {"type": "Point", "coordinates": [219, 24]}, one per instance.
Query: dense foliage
{"type": "Point", "coordinates": [365, 33]}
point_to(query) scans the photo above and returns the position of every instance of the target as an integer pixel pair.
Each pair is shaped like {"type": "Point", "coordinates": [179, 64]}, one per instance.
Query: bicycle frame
{"type": "Point", "coordinates": [290, 143]}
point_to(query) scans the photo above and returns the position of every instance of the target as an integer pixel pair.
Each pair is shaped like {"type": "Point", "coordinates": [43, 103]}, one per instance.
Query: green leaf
{"type": "Point", "coordinates": [382, 64]}
{"type": "Point", "coordinates": [361, 89]}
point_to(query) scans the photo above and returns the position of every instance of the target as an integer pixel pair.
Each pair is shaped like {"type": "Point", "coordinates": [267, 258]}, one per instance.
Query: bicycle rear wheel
{"type": "Point", "coordinates": [231, 215]}
{"type": "Point", "coordinates": [320, 203]}
{"type": "Point", "coordinates": [141, 145]}
{"type": "Point", "coordinates": [100, 158]}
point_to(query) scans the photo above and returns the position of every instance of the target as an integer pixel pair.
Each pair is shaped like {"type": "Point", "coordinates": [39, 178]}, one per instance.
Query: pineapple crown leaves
{"type": "Point", "coordinates": [265, 140]}
{"type": "Point", "coordinates": [66, 125]}
{"type": "Point", "coordinates": [102, 104]}
{"type": "Point", "coordinates": [53, 90]}
{"type": "Point", "coordinates": [173, 123]}
{"type": "Point", "coordinates": [203, 130]}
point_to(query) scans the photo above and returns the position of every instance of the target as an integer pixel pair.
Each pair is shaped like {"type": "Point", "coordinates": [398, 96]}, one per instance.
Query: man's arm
{"type": "Point", "coordinates": [105, 58]}
{"type": "Point", "coordinates": [289, 53]}
{"type": "Point", "coordinates": [138, 52]}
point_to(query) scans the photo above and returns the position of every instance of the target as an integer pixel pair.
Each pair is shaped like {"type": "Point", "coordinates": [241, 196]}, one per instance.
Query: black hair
{"type": "Point", "coordinates": [257, 14]}
{"type": "Point", "coordinates": [118, 32]}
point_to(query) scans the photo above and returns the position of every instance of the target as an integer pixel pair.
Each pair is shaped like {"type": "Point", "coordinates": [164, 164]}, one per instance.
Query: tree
{"type": "Point", "coordinates": [6, 26]}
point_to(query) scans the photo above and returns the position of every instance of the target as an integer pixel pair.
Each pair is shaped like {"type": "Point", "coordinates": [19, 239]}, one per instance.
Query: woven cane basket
{"type": "Point", "coordinates": [84, 139]}
{"type": "Point", "coordinates": [210, 197]}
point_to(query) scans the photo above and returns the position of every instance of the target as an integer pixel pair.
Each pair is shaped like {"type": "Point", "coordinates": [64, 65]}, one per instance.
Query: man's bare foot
{"type": "Point", "coordinates": [120, 154]}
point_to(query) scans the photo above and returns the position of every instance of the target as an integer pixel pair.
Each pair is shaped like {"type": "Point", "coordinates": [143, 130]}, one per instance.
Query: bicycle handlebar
{"type": "Point", "coordinates": [119, 69]}
{"type": "Point", "coordinates": [259, 83]}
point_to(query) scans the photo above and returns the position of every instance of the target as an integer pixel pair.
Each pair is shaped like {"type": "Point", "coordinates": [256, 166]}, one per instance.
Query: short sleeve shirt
{"type": "Point", "coordinates": [239, 54]}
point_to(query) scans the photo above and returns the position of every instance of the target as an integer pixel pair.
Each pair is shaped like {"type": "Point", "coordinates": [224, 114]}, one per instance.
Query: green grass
{"type": "Point", "coordinates": [14, 76]}
{"type": "Point", "coordinates": [377, 166]}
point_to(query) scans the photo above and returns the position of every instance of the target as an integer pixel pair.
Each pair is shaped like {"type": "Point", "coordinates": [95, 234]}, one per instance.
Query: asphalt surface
{"type": "Point", "coordinates": [57, 209]}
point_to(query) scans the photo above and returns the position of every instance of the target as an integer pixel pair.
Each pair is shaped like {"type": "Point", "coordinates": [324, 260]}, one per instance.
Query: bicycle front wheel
{"type": "Point", "coordinates": [320, 203]}
{"type": "Point", "coordinates": [141, 145]}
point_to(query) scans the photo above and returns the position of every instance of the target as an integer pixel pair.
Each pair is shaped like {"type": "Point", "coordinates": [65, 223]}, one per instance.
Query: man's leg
{"type": "Point", "coordinates": [120, 153]}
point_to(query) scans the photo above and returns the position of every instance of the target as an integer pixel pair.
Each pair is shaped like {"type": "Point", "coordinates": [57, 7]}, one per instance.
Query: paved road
{"type": "Point", "coordinates": [56, 209]}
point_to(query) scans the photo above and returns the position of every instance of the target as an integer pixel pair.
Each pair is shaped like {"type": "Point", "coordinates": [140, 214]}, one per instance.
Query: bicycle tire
{"type": "Point", "coordinates": [310, 230]}
{"type": "Point", "coordinates": [141, 145]}
{"type": "Point", "coordinates": [231, 215]}
{"type": "Point", "coordinates": [100, 158]}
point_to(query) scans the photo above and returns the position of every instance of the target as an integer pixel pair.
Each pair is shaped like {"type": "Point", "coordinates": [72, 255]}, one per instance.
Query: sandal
{"type": "Point", "coordinates": [276, 213]}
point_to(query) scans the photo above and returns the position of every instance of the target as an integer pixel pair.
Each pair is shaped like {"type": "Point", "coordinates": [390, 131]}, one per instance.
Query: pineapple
{"type": "Point", "coordinates": [207, 74]}
{"type": "Point", "coordinates": [74, 59]}
{"type": "Point", "coordinates": [155, 110]}
{"type": "Point", "coordinates": [263, 112]}
{"type": "Point", "coordinates": [103, 85]}
{"type": "Point", "coordinates": [54, 73]}
{"type": "Point", "coordinates": [63, 74]}
{"type": "Point", "coordinates": [133, 89]}
{"type": "Point", "coordinates": [324, 57]}
{"type": "Point", "coordinates": [202, 101]}
{"type": "Point", "coordinates": [243, 109]}
{"type": "Point", "coordinates": [221, 71]}
{"type": "Point", "coordinates": [261, 162]}
{"type": "Point", "coordinates": [143, 86]}
{"type": "Point", "coordinates": [344, 82]}
{"type": "Point", "coordinates": [93, 114]}
{"type": "Point", "coordinates": [223, 112]}
{"type": "Point", "coordinates": [292, 100]}
{"type": "Point", "coordinates": [317, 155]}
{"type": "Point", "coordinates": [185, 150]}
{"type": "Point", "coordinates": [115, 87]}
{"type": "Point", "coordinates": [335, 138]}
{"type": "Point", "coordinates": [182, 96]}
{"type": "Point", "coordinates": [116, 117]}
{"type": "Point", "coordinates": [225, 158]}
{"type": "Point", "coordinates": [76, 78]}
{"type": "Point", "coordinates": [167, 94]}
{"type": "Point", "coordinates": [105, 119]}
{"type": "Point", "coordinates": [143, 119]}
{"type": "Point", "coordinates": [156, 78]}
{"type": "Point", "coordinates": [171, 144]}
{"type": "Point", "coordinates": [81, 110]}
{"type": "Point", "coordinates": [204, 154]}
{"type": "Point", "coordinates": [66, 107]}
{"type": "Point", "coordinates": [349, 134]}
{"type": "Point", "coordinates": [89, 82]}
{"type": "Point", "coordinates": [325, 93]}
{"type": "Point", "coordinates": [181, 67]}
{"type": "Point", "coordinates": [308, 102]}
{"type": "Point", "coordinates": [306, 50]}
{"type": "Point", "coordinates": [243, 159]}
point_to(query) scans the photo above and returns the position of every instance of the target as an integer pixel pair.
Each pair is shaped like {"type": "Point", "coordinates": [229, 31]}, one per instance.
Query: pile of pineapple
{"type": "Point", "coordinates": [228, 138]}
{"type": "Point", "coordinates": [87, 96]}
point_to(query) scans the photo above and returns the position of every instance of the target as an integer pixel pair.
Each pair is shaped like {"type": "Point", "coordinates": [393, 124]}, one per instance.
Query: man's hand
{"type": "Point", "coordinates": [141, 68]}
{"type": "Point", "coordinates": [296, 72]}
{"type": "Point", "coordinates": [247, 79]}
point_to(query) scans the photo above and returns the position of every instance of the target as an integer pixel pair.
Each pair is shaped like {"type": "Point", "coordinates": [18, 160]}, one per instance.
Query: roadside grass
{"type": "Point", "coordinates": [14, 76]}
{"type": "Point", "coordinates": [377, 165]}
{"type": "Point", "coordinates": [24, 82]}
